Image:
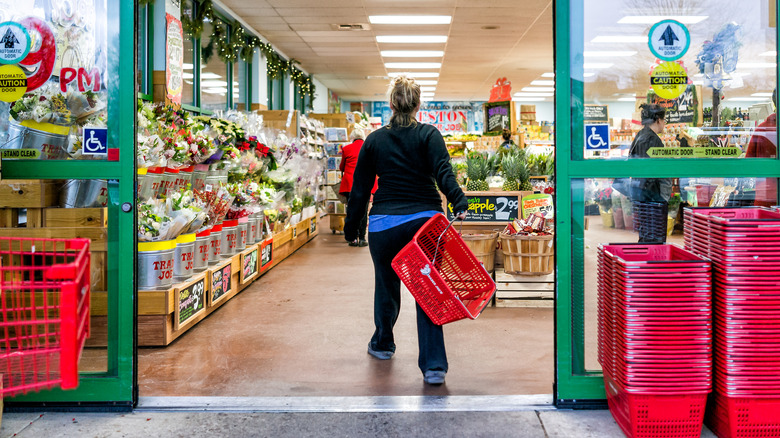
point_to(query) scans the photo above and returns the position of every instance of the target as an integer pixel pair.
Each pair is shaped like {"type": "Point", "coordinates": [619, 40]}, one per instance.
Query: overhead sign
{"type": "Point", "coordinates": [595, 113]}
{"type": "Point", "coordinates": [501, 91]}
{"type": "Point", "coordinates": [669, 40]}
{"type": "Point", "coordinates": [13, 83]}
{"type": "Point", "coordinates": [597, 137]}
{"type": "Point", "coordinates": [669, 80]}
{"type": "Point", "coordinates": [15, 42]}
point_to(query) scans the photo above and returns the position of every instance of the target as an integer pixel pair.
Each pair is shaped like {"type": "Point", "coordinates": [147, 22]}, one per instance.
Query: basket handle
{"type": "Point", "coordinates": [438, 241]}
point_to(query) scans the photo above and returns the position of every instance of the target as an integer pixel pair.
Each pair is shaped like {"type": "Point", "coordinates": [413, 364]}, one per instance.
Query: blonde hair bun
{"type": "Point", "coordinates": [404, 96]}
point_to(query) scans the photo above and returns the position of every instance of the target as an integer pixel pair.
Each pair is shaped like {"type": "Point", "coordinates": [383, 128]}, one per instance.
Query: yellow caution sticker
{"type": "Point", "coordinates": [13, 83]}
{"type": "Point", "coordinates": [669, 80]}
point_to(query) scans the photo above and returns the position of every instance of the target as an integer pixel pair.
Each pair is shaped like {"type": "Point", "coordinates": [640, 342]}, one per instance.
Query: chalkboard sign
{"type": "Point", "coordinates": [221, 282]}
{"type": "Point", "coordinates": [313, 226]}
{"type": "Point", "coordinates": [490, 207]}
{"type": "Point", "coordinates": [595, 113]}
{"type": "Point", "coordinates": [248, 265]}
{"type": "Point", "coordinates": [190, 302]}
{"type": "Point", "coordinates": [498, 116]}
{"type": "Point", "coordinates": [682, 109]}
{"type": "Point", "coordinates": [266, 254]}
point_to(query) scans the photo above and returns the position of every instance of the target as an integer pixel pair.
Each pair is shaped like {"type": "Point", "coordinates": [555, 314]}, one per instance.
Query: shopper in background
{"type": "Point", "coordinates": [508, 144]}
{"type": "Point", "coordinates": [349, 158]}
{"type": "Point", "coordinates": [410, 158]}
{"type": "Point", "coordinates": [763, 144]}
{"type": "Point", "coordinates": [652, 193]}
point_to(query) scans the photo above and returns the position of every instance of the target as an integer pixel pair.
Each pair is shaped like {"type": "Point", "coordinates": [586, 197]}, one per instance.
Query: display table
{"type": "Point", "coordinates": [164, 315]}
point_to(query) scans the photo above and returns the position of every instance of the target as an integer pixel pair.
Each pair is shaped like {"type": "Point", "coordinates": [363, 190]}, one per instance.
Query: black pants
{"type": "Point", "coordinates": [384, 245]}
{"type": "Point", "coordinates": [363, 222]}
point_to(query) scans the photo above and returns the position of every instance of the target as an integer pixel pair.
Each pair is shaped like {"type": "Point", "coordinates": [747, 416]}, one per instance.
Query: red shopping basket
{"type": "Point", "coordinates": [453, 286]}
{"type": "Point", "coordinates": [44, 294]}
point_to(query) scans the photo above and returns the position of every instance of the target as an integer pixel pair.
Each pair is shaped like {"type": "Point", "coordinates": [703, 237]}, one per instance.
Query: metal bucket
{"type": "Point", "coordinates": [260, 221]}
{"type": "Point", "coordinates": [199, 175]}
{"type": "Point", "coordinates": [168, 182]}
{"type": "Point", "coordinates": [184, 260]}
{"type": "Point", "coordinates": [155, 264]}
{"type": "Point", "coordinates": [229, 237]}
{"type": "Point", "coordinates": [183, 178]}
{"type": "Point", "coordinates": [243, 229]}
{"type": "Point", "coordinates": [202, 250]}
{"type": "Point", "coordinates": [251, 229]}
{"type": "Point", "coordinates": [143, 188]}
{"type": "Point", "coordinates": [216, 243]}
{"type": "Point", "coordinates": [52, 146]}
{"type": "Point", "coordinates": [154, 179]}
{"type": "Point", "coordinates": [84, 193]}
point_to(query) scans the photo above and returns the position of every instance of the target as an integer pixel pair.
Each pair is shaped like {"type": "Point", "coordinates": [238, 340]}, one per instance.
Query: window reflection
{"type": "Point", "coordinates": [213, 78]}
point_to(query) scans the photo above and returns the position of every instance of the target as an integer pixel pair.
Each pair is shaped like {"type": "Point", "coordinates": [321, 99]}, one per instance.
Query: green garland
{"type": "Point", "coordinates": [142, 3]}
{"type": "Point", "coordinates": [193, 26]}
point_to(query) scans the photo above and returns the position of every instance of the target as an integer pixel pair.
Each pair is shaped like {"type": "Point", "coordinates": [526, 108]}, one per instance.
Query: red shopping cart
{"type": "Point", "coordinates": [442, 273]}
{"type": "Point", "coordinates": [44, 300]}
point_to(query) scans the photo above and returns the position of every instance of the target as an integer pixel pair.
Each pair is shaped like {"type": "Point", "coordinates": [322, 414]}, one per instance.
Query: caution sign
{"type": "Point", "coordinates": [697, 152]}
{"type": "Point", "coordinates": [669, 40]}
{"type": "Point", "coordinates": [669, 80]}
{"type": "Point", "coordinates": [13, 83]}
{"type": "Point", "coordinates": [15, 42]}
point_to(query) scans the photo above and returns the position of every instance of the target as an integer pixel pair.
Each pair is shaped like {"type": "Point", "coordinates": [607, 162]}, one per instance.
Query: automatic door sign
{"type": "Point", "coordinates": [669, 80]}
{"type": "Point", "coordinates": [15, 42]}
{"type": "Point", "coordinates": [95, 141]}
{"type": "Point", "coordinates": [597, 137]}
{"type": "Point", "coordinates": [13, 83]}
{"type": "Point", "coordinates": [669, 40]}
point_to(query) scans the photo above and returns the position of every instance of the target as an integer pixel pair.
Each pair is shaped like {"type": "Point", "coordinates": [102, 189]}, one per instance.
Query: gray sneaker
{"type": "Point", "coordinates": [379, 354]}
{"type": "Point", "coordinates": [434, 377]}
{"type": "Point", "coordinates": [362, 242]}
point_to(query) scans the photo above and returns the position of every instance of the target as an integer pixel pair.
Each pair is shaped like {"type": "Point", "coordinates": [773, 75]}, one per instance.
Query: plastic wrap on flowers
{"type": "Point", "coordinates": [153, 222]}
{"type": "Point", "coordinates": [241, 201]}
{"type": "Point", "coordinates": [187, 212]}
{"type": "Point", "coordinates": [217, 200]}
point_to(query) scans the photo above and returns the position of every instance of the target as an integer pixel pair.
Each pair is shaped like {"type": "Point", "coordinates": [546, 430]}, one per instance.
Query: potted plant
{"type": "Point", "coordinates": [604, 199]}
{"type": "Point", "coordinates": [674, 210]}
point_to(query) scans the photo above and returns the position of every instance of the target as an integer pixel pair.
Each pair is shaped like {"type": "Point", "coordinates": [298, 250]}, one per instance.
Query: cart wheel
{"type": "Point", "coordinates": [333, 231]}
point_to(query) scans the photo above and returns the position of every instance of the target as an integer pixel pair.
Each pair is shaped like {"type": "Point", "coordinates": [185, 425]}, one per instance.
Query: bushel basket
{"type": "Point", "coordinates": [454, 286]}
{"type": "Point", "coordinates": [528, 255]}
{"type": "Point", "coordinates": [483, 246]}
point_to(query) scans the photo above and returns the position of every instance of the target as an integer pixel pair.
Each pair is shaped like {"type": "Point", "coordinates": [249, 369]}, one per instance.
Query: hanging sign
{"type": "Point", "coordinates": [174, 62]}
{"type": "Point", "coordinates": [669, 80]}
{"type": "Point", "coordinates": [15, 42]}
{"type": "Point", "coordinates": [597, 137]}
{"type": "Point", "coordinates": [501, 91]}
{"type": "Point", "coordinates": [190, 302]}
{"type": "Point", "coordinates": [220, 282]}
{"type": "Point", "coordinates": [669, 40]}
{"type": "Point", "coordinates": [498, 116]}
{"type": "Point", "coordinates": [595, 113]}
{"type": "Point", "coordinates": [13, 83]}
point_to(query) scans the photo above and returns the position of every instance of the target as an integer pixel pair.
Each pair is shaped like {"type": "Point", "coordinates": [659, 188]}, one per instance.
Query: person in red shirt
{"type": "Point", "coordinates": [763, 144]}
{"type": "Point", "coordinates": [349, 158]}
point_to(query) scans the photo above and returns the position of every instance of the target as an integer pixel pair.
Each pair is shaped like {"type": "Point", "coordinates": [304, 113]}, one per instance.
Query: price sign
{"type": "Point", "coordinates": [487, 208]}
{"type": "Point", "coordinates": [221, 282]}
{"type": "Point", "coordinates": [190, 302]}
{"type": "Point", "coordinates": [266, 254]}
{"type": "Point", "coordinates": [248, 265]}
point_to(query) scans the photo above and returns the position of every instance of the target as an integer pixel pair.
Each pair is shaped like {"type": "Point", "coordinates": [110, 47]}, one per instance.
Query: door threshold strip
{"type": "Point", "coordinates": [456, 403]}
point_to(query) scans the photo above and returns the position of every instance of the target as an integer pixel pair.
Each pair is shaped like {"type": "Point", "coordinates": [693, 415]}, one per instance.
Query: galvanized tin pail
{"type": "Point", "coordinates": [154, 179]}
{"type": "Point", "coordinates": [251, 229]}
{"type": "Point", "coordinates": [52, 146]}
{"type": "Point", "coordinates": [183, 178]}
{"type": "Point", "coordinates": [84, 193]}
{"type": "Point", "coordinates": [199, 175]}
{"type": "Point", "coordinates": [155, 264]}
{"type": "Point", "coordinates": [229, 237]}
{"type": "Point", "coordinates": [202, 250]}
{"type": "Point", "coordinates": [216, 243]}
{"type": "Point", "coordinates": [260, 221]}
{"type": "Point", "coordinates": [184, 260]}
{"type": "Point", "coordinates": [243, 229]}
{"type": "Point", "coordinates": [143, 188]}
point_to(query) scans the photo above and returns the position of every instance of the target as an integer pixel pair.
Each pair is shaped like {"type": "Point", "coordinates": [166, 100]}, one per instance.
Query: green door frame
{"type": "Point", "coordinates": [574, 385]}
{"type": "Point", "coordinates": [115, 389]}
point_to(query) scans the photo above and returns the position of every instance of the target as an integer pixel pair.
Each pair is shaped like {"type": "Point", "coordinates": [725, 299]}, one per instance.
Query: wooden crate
{"type": "Point", "coordinates": [29, 193]}
{"type": "Point", "coordinates": [75, 217]}
{"type": "Point", "coordinates": [157, 312]}
{"type": "Point", "coordinates": [277, 119]}
{"type": "Point", "coordinates": [337, 120]}
{"type": "Point", "coordinates": [282, 237]}
{"type": "Point", "coordinates": [524, 290]}
{"type": "Point", "coordinates": [15, 217]}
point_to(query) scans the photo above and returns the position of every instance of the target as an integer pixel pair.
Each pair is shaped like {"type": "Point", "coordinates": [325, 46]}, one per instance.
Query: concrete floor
{"type": "Point", "coordinates": [302, 330]}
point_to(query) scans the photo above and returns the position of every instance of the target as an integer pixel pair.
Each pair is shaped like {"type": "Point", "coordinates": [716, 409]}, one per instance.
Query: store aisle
{"type": "Point", "coordinates": [302, 330]}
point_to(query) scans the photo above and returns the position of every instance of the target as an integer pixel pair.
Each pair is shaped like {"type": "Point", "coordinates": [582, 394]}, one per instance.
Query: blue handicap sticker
{"type": "Point", "coordinates": [597, 137]}
{"type": "Point", "coordinates": [95, 141]}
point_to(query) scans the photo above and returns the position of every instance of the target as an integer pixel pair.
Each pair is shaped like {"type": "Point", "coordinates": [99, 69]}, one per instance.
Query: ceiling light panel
{"type": "Point", "coordinates": [412, 53]}
{"type": "Point", "coordinates": [652, 19]}
{"type": "Point", "coordinates": [525, 94]}
{"type": "Point", "coordinates": [411, 39]}
{"type": "Point", "coordinates": [410, 19]}
{"type": "Point", "coordinates": [425, 82]}
{"type": "Point", "coordinates": [529, 99]}
{"type": "Point", "coordinates": [427, 88]}
{"type": "Point", "coordinates": [413, 65]}
{"type": "Point", "coordinates": [419, 74]}
{"type": "Point", "coordinates": [538, 89]}
{"type": "Point", "coordinates": [548, 75]}
{"type": "Point", "coordinates": [620, 39]}
{"type": "Point", "coordinates": [542, 82]}
{"type": "Point", "coordinates": [608, 53]}
{"type": "Point", "coordinates": [597, 65]}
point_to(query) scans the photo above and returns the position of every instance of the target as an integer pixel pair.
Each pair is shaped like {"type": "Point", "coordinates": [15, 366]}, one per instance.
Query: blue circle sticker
{"type": "Point", "coordinates": [15, 42]}
{"type": "Point", "coordinates": [669, 40]}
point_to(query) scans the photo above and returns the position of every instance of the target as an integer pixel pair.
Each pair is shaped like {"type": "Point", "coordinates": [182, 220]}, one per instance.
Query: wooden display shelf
{"type": "Point", "coordinates": [29, 193]}
{"type": "Point", "coordinates": [524, 290]}
{"type": "Point", "coordinates": [158, 311]}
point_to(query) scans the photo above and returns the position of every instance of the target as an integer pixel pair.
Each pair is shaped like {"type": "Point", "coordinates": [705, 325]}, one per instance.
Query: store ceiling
{"type": "Point", "coordinates": [487, 39]}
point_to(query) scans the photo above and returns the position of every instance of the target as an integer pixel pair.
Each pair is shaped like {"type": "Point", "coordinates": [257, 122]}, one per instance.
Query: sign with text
{"type": "Point", "coordinates": [595, 114]}
{"type": "Point", "coordinates": [221, 282]}
{"type": "Point", "coordinates": [266, 254]}
{"type": "Point", "coordinates": [174, 58]}
{"type": "Point", "coordinates": [445, 116]}
{"type": "Point", "coordinates": [685, 108]}
{"type": "Point", "coordinates": [669, 80]}
{"type": "Point", "coordinates": [498, 116]}
{"type": "Point", "coordinates": [490, 207]}
{"type": "Point", "coordinates": [249, 265]}
{"type": "Point", "coordinates": [698, 152]}
{"type": "Point", "coordinates": [190, 302]}
{"type": "Point", "coordinates": [669, 40]}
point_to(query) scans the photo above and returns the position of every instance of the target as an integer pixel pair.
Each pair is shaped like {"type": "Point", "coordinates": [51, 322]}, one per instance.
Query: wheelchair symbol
{"type": "Point", "coordinates": [93, 144]}
{"type": "Point", "coordinates": [594, 139]}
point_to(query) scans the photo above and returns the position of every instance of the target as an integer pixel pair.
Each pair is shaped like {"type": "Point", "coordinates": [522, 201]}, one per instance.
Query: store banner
{"type": "Point", "coordinates": [174, 58]}
{"type": "Point", "coordinates": [447, 117]}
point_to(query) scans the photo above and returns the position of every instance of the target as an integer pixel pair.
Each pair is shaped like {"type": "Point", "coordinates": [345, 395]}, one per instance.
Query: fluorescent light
{"type": "Point", "coordinates": [762, 94]}
{"type": "Point", "coordinates": [596, 65]}
{"type": "Point", "coordinates": [409, 19]}
{"type": "Point", "coordinates": [419, 74]}
{"type": "Point", "coordinates": [209, 75]}
{"type": "Point", "coordinates": [608, 53]}
{"type": "Point", "coordinates": [771, 53]}
{"type": "Point", "coordinates": [652, 19]}
{"type": "Point", "coordinates": [425, 82]}
{"type": "Point", "coordinates": [756, 64]}
{"type": "Point", "coordinates": [540, 82]}
{"type": "Point", "coordinates": [620, 39]}
{"type": "Point", "coordinates": [534, 94]}
{"type": "Point", "coordinates": [426, 99]}
{"type": "Point", "coordinates": [412, 53]}
{"type": "Point", "coordinates": [427, 88]}
{"type": "Point", "coordinates": [538, 89]}
{"type": "Point", "coordinates": [212, 83]}
{"type": "Point", "coordinates": [587, 75]}
{"type": "Point", "coordinates": [627, 99]}
{"type": "Point", "coordinates": [215, 90]}
{"type": "Point", "coordinates": [748, 99]}
{"type": "Point", "coordinates": [529, 99]}
{"type": "Point", "coordinates": [413, 65]}
{"type": "Point", "coordinates": [428, 94]}
{"type": "Point", "coordinates": [187, 75]}
{"type": "Point", "coordinates": [698, 82]}
{"type": "Point", "coordinates": [186, 66]}
{"type": "Point", "coordinates": [411, 39]}
{"type": "Point", "coordinates": [548, 75]}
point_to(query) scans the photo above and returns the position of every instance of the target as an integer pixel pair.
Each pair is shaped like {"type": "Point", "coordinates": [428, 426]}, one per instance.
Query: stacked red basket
{"type": "Point", "coordinates": [655, 337]}
{"type": "Point", "coordinates": [743, 245]}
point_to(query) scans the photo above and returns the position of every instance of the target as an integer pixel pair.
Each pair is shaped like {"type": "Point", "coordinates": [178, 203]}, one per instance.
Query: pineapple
{"type": "Point", "coordinates": [524, 177]}
{"type": "Point", "coordinates": [477, 172]}
{"type": "Point", "coordinates": [511, 166]}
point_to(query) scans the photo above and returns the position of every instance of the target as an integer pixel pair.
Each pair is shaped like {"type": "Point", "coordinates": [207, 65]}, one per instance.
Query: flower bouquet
{"type": "Point", "coordinates": [44, 105]}
{"type": "Point", "coordinates": [153, 222]}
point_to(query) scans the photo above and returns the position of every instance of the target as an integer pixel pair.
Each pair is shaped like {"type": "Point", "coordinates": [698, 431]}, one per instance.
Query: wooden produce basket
{"type": "Point", "coordinates": [484, 248]}
{"type": "Point", "coordinates": [528, 255]}
{"type": "Point", "coordinates": [337, 222]}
